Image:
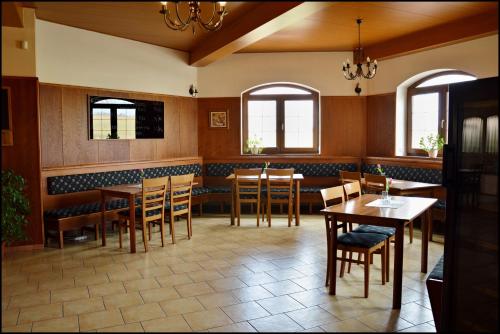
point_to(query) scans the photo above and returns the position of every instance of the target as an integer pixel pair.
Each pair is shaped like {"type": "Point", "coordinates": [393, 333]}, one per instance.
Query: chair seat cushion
{"type": "Point", "coordinates": [85, 209]}
{"type": "Point", "coordinates": [364, 240]}
{"type": "Point", "coordinates": [437, 272]}
{"type": "Point", "coordinates": [388, 231]}
{"type": "Point", "coordinates": [138, 213]}
{"type": "Point", "coordinates": [200, 191]}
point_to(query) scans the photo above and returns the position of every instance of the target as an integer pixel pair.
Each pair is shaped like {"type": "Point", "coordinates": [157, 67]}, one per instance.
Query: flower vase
{"type": "Point", "coordinates": [432, 153]}
{"type": "Point", "coordinates": [385, 197]}
{"type": "Point", "coordinates": [254, 150]}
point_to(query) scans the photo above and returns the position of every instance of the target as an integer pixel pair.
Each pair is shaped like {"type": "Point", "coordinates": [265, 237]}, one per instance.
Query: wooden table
{"type": "Point", "coordinates": [408, 188]}
{"type": "Point", "coordinates": [296, 179]}
{"type": "Point", "coordinates": [128, 191]}
{"type": "Point", "coordinates": [356, 211]}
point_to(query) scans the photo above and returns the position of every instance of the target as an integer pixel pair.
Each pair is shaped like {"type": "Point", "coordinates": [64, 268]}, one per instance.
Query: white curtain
{"type": "Point", "coordinates": [472, 135]}
{"type": "Point", "coordinates": [492, 134]}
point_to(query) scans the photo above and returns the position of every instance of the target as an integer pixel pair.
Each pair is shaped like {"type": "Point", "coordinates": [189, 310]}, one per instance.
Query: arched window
{"type": "Point", "coordinates": [427, 107]}
{"type": "Point", "coordinates": [283, 116]}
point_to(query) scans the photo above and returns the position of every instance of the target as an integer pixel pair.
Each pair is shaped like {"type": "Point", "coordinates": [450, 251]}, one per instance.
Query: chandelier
{"type": "Point", "coordinates": [177, 23]}
{"type": "Point", "coordinates": [358, 56]}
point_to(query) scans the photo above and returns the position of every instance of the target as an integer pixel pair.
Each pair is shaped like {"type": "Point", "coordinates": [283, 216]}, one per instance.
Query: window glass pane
{"type": "Point", "coordinates": [126, 123]}
{"type": "Point", "coordinates": [262, 121]}
{"type": "Point", "coordinates": [299, 124]}
{"type": "Point", "coordinates": [446, 79]}
{"type": "Point", "coordinates": [492, 134]}
{"type": "Point", "coordinates": [101, 123]}
{"type": "Point", "coordinates": [472, 135]}
{"type": "Point", "coordinates": [424, 116]}
{"type": "Point", "coordinates": [280, 90]}
{"type": "Point", "coordinates": [113, 101]}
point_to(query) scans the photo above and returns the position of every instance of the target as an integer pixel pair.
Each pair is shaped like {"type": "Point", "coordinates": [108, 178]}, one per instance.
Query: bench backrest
{"type": "Point", "coordinates": [417, 174]}
{"type": "Point", "coordinates": [306, 169]}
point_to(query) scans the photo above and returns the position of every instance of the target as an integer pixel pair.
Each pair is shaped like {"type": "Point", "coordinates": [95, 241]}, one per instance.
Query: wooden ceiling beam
{"type": "Point", "coordinates": [444, 34]}
{"type": "Point", "coordinates": [12, 14]}
{"type": "Point", "coordinates": [263, 20]}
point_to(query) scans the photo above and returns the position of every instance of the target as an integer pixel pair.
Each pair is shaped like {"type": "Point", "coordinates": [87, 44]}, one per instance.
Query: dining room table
{"type": "Point", "coordinates": [130, 192]}
{"type": "Point", "coordinates": [296, 179]}
{"type": "Point", "coordinates": [371, 209]}
{"type": "Point", "coordinates": [410, 188]}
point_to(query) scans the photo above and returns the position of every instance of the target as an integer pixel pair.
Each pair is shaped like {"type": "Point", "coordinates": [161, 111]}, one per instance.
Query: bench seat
{"type": "Point", "coordinates": [434, 283]}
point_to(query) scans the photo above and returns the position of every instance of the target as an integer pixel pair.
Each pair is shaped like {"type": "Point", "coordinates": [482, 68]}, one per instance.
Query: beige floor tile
{"type": "Point", "coordinates": [205, 275]}
{"type": "Point", "coordinates": [65, 295]}
{"type": "Point", "coordinates": [313, 297]}
{"type": "Point", "coordinates": [181, 268]}
{"type": "Point", "coordinates": [311, 317]}
{"type": "Point", "coordinates": [106, 289]}
{"type": "Point", "coordinates": [181, 306]}
{"type": "Point", "coordinates": [280, 304]}
{"type": "Point", "coordinates": [17, 329]}
{"type": "Point", "coordinates": [256, 278]}
{"type": "Point", "coordinates": [235, 271]}
{"type": "Point", "coordinates": [349, 325]}
{"type": "Point", "coordinates": [159, 295]}
{"type": "Point", "coordinates": [345, 309]}
{"type": "Point", "coordinates": [40, 312]}
{"type": "Point", "coordinates": [102, 319]}
{"type": "Point", "coordinates": [243, 327]}
{"type": "Point", "coordinates": [282, 288]}
{"type": "Point", "coordinates": [128, 275]}
{"type": "Point", "coordinates": [275, 323]}
{"type": "Point", "coordinates": [65, 283]}
{"type": "Point", "coordinates": [110, 268]}
{"type": "Point", "coordinates": [284, 274]}
{"type": "Point", "coordinates": [30, 299]}
{"type": "Point", "coordinates": [142, 312]}
{"type": "Point", "coordinates": [258, 267]}
{"type": "Point", "coordinates": [385, 321]}
{"type": "Point", "coordinates": [207, 319]}
{"type": "Point", "coordinates": [225, 284]}
{"type": "Point", "coordinates": [174, 323]}
{"type": "Point", "coordinates": [78, 271]}
{"type": "Point", "coordinates": [416, 314]}
{"type": "Point", "coordinates": [218, 299]}
{"type": "Point", "coordinates": [128, 328]}
{"type": "Point", "coordinates": [215, 264]}
{"type": "Point", "coordinates": [141, 284]}
{"type": "Point", "coordinates": [66, 324]}
{"type": "Point", "coordinates": [194, 289]}
{"type": "Point", "coordinates": [9, 317]}
{"type": "Point", "coordinates": [251, 293]}
{"type": "Point", "coordinates": [175, 279]}
{"type": "Point", "coordinates": [155, 271]}
{"type": "Point", "coordinates": [311, 281]}
{"type": "Point", "coordinates": [83, 306]}
{"type": "Point", "coordinates": [115, 301]}
{"type": "Point", "coordinates": [245, 311]}
{"type": "Point", "coordinates": [91, 280]}
{"type": "Point", "coordinates": [422, 328]}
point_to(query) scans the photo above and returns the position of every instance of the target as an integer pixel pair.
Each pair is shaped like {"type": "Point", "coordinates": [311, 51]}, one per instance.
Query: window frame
{"type": "Point", "coordinates": [280, 114]}
{"type": "Point", "coordinates": [442, 90]}
{"type": "Point", "coordinates": [113, 109]}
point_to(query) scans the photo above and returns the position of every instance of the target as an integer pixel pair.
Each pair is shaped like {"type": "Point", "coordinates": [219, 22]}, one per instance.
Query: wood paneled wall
{"type": "Point", "coordinates": [64, 129]}
{"type": "Point", "coordinates": [23, 157]}
{"type": "Point", "coordinates": [381, 125]}
{"type": "Point", "coordinates": [343, 127]}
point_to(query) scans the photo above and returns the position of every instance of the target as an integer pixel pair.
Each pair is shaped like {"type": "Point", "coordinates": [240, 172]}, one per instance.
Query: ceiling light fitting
{"type": "Point", "coordinates": [176, 23]}
{"type": "Point", "coordinates": [371, 66]}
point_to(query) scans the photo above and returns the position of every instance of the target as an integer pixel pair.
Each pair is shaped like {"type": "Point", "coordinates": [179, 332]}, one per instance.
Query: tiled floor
{"type": "Point", "coordinates": [225, 278]}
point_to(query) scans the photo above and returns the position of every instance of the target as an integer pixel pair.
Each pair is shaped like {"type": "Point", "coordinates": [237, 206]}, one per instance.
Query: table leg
{"type": "Point", "coordinates": [103, 223]}
{"type": "Point", "coordinates": [297, 202]}
{"type": "Point", "coordinates": [332, 222]}
{"type": "Point", "coordinates": [233, 199]}
{"type": "Point", "coordinates": [131, 205]}
{"type": "Point", "coordinates": [425, 240]}
{"type": "Point", "coordinates": [398, 267]}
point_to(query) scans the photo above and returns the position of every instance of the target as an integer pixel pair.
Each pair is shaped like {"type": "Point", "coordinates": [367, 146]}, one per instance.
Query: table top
{"type": "Point", "coordinates": [408, 185]}
{"type": "Point", "coordinates": [411, 208]}
{"type": "Point", "coordinates": [264, 177]}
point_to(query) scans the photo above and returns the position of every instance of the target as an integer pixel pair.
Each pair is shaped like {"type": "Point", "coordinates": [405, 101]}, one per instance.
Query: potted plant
{"type": "Point", "coordinates": [254, 145]}
{"type": "Point", "coordinates": [15, 208]}
{"type": "Point", "coordinates": [431, 144]}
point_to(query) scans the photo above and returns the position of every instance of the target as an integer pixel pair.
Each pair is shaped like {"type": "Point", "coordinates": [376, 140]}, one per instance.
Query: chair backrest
{"type": "Point", "coordinates": [247, 182]}
{"type": "Point", "coordinates": [346, 176]}
{"type": "Point", "coordinates": [181, 187]}
{"type": "Point", "coordinates": [352, 190]}
{"type": "Point", "coordinates": [332, 195]}
{"type": "Point", "coordinates": [279, 182]}
{"type": "Point", "coordinates": [153, 198]}
{"type": "Point", "coordinates": [374, 184]}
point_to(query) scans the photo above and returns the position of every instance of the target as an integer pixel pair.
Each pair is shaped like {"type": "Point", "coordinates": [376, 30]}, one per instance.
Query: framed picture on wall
{"type": "Point", "coordinates": [219, 119]}
{"type": "Point", "coordinates": [7, 138]}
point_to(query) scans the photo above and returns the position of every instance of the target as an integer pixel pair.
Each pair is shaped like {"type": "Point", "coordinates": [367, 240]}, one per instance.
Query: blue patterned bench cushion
{"type": "Point", "coordinates": [138, 211]}
{"type": "Point", "coordinates": [219, 189]}
{"type": "Point", "coordinates": [82, 182]}
{"type": "Point", "coordinates": [85, 209]}
{"type": "Point", "coordinates": [197, 191]}
{"type": "Point", "coordinates": [306, 169]}
{"type": "Point", "coordinates": [365, 240]}
{"type": "Point", "coordinates": [426, 175]}
{"type": "Point", "coordinates": [437, 272]}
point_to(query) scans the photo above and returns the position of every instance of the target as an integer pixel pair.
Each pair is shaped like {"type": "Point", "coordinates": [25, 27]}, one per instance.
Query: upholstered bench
{"type": "Point", "coordinates": [434, 284]}
{"type": "Point", "coordinates": [81, 215]}
{"type": "Point", "coordinates": [417, 174]}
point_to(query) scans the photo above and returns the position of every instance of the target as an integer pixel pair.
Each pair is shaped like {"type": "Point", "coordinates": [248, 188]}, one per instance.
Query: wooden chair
{"type": "Point", "coordinates": [181, 187]}
{"type": "Point", "coordinates": [151, 209]}
{"type": "Point", "coordinates": [375, 184]}
{"type": "Point", "coordinates": [247, 189]}
{"type": "Point", "coordinates": [364, 243]}
{"type": "Point", "coordinates": [347, 177]}
{"type": "Point", "coordinates": [352, 189]}
{"type": "Point", "coordinates": [279, 190]}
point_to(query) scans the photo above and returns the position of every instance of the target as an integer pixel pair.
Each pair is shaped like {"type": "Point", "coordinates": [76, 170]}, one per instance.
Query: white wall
{"type": "Point", "coordinates": [15, 60]}
{"type": "Point", "coordinates": [478, 57]}
{"type": "Point", "coordinates": [72, 56]}
{"type": "Point", "coordinates": [232, 75]}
